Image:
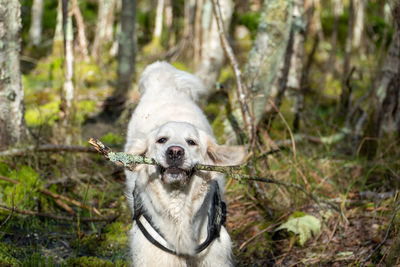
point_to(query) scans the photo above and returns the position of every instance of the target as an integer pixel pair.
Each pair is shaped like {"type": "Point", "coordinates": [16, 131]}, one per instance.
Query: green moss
{"type": "Point", "coordinates": [93, 262]}
{"type": "Point", "coordinates": [6, 258]}
{"type": "Point", "coordinates": [89, 72]}
{"type": "Point", "coordinates": [226, 74]}
{"type": "Point", "coordinates": [154, 47]}
{"type": "Point", "coordinates": [13, 194]}
{"type": "Point", "coordinates": [180, 66]}
{"type": "Point", "coordinates": [116, 235]}
{"type": "Point", "coordinates": [85, 108]}
{"type": "Point", "coordinates": [112, 139]}
{"type": "Point", "coordinates": [43, 114]}
{"type": "Point", "coordinates": [251, 21]}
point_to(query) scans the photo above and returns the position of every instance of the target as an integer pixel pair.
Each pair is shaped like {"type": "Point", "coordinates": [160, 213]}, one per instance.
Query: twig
{"type": "Point", "coordinates": [247, 118]}
{"type": "Point", "coordinates": [386, 235]}
{"type": "Point", "coordinates": [58, 198]}
{"type": "Point", "coordinates": [59, 217]}
{"type": "Point", "coordinates": [129, 161]}
{"type": "Point", "coordinates": [45, 148]}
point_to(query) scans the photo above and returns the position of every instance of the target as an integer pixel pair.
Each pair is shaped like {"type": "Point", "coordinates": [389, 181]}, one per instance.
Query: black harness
{"type": "Point", "coordinates": [216, 217]}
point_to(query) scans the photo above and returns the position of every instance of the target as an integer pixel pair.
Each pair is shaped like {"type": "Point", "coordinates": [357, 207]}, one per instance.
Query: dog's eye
{"type": "Point", "coordinates": [191, 142]}
{"type": "Point", "coordinates": [162, 140]}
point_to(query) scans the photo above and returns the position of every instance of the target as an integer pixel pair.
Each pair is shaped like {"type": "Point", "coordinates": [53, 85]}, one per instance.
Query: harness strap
{"type": "Point", "coordinates": [216, 217]}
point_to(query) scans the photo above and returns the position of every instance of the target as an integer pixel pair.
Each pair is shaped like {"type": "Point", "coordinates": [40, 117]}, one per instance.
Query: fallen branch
{"type": "Point", "coordinates": [129, 162]}
{"type": "Point", "coordinates": [60, 217]}
{"type": "Point", "coordinates": [45, 148]}
{"type": "Point", "coordinates": [58, 198]}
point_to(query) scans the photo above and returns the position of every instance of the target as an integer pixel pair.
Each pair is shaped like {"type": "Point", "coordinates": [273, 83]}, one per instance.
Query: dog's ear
{"type": "Point", "coordinates": [137, 146]}
{"type": "Point", "coordinates": [223, 155]}
{"type": "Point", "coordinates": [226, 155]}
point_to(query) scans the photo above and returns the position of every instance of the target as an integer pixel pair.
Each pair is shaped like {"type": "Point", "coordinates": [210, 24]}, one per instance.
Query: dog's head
{"type": "Point", "coordinates": [179, 146]}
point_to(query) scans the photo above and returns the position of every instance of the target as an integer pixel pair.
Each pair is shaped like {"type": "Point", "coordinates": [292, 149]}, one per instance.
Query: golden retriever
{"type": "Point", "coordinates": [178, 211]}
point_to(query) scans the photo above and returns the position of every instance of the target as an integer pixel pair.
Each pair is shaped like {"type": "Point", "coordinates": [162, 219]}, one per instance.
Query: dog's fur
{"type": "Point", "coordinates": [167, 120]}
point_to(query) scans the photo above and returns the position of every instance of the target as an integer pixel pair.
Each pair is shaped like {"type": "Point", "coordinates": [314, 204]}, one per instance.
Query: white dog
{"type": "Point", "coordinates": [178, 212]}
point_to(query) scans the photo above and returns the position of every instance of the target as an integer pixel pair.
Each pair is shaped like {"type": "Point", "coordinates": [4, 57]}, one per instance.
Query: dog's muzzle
{"type": "Point", "coordinates": [173, 174]}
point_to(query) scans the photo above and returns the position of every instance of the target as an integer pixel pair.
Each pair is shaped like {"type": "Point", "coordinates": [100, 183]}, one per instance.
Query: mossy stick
{"type": "Point", "coordinates": [129, 161]}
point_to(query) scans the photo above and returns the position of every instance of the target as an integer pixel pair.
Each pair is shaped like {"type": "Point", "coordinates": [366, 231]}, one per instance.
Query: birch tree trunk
{"type": "Point", "coordinates": [104, 27]}
{"type": "Point", "coordinates": [68, 88]}
{"type": "Point", "coordinates": [126, 59]}
{"type": "Point", "coordinates": [58, 39]}
{"type": "Point", "coordinates": [35, 30]}
{"type": "Point", "coordinates": [12, 123]}
{"type": "Point", "coordinates": [267, 53]}
{"type": "Point", "coordinates": [80, 25]}
{"type": "Point", "coordinates": [197, 38]}
{"type": "Point", "coordinates": [212, 55]}
{"type": "Point", "coordinates": [158, 26]}
{"type": "Point", "coordinates": [296, 62]}
{"type": "Point", "coordinates": [359, 23]}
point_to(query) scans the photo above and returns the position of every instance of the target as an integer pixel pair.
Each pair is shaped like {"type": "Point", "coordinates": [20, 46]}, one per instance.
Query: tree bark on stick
{"type": "Point", "coordinates": [12, 123]}
{"type": "Point", "coordinates": [129, 162]}
{"type": "Point", "coordinates": [35, 30]}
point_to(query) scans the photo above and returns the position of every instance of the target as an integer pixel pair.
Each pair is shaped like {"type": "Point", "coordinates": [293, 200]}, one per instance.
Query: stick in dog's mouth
{"type": "Point", "coordinates": [175, 174]}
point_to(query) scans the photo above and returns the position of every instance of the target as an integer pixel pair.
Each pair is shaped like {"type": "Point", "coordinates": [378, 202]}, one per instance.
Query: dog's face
{"type": "Point", "coordinates": [179, 146]}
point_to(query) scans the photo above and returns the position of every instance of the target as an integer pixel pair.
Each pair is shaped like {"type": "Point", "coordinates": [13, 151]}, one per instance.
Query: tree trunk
{"type": "Point", "coordinates": [385, 116]}
{"type": "Point", "coordinates": [104, 27]}
{"type": "Point", "coordinates": [156, 42]}
{"type": "Point", "coordinates": [346, 88]}
{"type": "Point", "coordinates": [35, 30]}
{"type": "Point", "coordinates": [330, 64]}
{"type": "Point", "coordinates": [296, 62]}
{"type": "Point", "coordinates": [267, 53]}
{"type": "Point", "coordinates": [126, 59]}
{"type": "Point", "coordinates": [68, 88]}
{"type": "Point", "coordinates": [58, 39]}
{"type": "Point", "coordinates": [80, 25]}
{"type": "Point", "coordinates": [212, 56]}
{"type": "Point", "coordinates": [359, 23]}
{"type": "Point", "coordinates": [197, 36]}
{"type": "Point", "coordinates": [12, 123]}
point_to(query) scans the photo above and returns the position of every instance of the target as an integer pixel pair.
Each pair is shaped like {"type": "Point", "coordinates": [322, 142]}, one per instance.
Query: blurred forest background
{"type": "Point", "coordinates": [312, 86]}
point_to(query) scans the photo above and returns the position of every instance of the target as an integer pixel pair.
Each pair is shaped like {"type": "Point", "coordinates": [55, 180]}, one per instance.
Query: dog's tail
{"type": "Point", "coordinates": [161, 75]}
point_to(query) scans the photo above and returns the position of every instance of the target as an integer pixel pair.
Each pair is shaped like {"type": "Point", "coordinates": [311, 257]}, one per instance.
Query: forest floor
{"type": "Point", "coordinates": [259, 225]}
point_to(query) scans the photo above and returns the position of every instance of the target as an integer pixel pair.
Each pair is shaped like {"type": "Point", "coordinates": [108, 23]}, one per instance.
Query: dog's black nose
{"type": "Point", "coordinates": [175, 154]}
